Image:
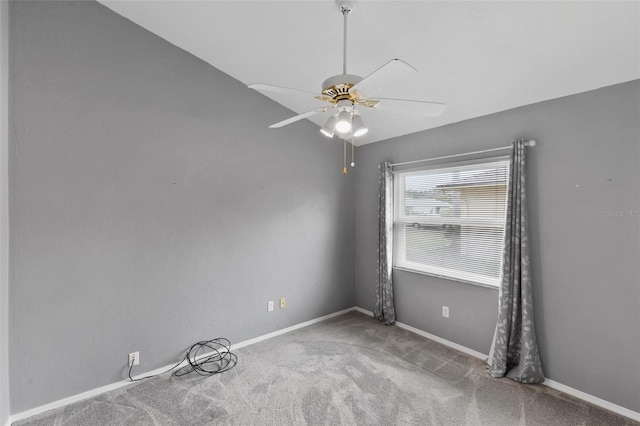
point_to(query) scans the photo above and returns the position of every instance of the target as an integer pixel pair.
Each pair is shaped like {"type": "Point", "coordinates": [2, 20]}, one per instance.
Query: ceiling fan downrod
{"type": "Point", "coordinates": [338, 87]}
{"type": "Point", "coordinates": [345, 9]}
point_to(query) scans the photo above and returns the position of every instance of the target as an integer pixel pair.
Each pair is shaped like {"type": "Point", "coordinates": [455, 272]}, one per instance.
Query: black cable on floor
{"type": "Point", "coordinates": [219, 359]}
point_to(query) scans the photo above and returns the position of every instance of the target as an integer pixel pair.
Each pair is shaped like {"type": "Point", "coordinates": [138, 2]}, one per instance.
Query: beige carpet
{"type": "Point", "coordinates": [349, 370]}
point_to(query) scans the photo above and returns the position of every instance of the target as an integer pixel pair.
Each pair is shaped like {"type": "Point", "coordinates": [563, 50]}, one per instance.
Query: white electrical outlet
{"type": "Point", "coordinates": [445, 311]}
{"type": "Point", "coordinates": [270, 306]}
{"type": "Point", "coordinates": [134, 358]}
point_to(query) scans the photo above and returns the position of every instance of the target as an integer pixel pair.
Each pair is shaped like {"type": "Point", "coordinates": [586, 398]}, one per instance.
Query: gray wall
{"type": "Point", "coordinates": [4, 210]}
{"type": "Point", "coordinates": [585, 263]}
{"type": "Point", "coordinates": [151, 207]}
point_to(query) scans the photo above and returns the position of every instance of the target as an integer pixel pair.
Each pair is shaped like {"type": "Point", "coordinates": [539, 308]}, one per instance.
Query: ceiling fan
{"type": "Point", "coordinates": [345, 94]}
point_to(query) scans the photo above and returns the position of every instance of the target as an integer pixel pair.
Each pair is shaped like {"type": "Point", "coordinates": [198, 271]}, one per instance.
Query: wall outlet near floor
{"type": "Point", "coordinates": [283, 303]}
{"type": "Point", "coordinates": [445, 311]}
{"type": "Point", "coordinates": [270, 306]}
{"type": "Point", "coordinates": [134, 358]}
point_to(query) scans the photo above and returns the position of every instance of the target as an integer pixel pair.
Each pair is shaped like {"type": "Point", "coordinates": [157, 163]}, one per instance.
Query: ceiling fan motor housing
{"type": "Point", "coordinates": [338, 87]}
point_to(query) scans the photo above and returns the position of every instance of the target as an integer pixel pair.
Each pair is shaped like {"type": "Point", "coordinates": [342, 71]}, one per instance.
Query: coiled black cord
{"type": "Point", "coordinates": [219, 359]}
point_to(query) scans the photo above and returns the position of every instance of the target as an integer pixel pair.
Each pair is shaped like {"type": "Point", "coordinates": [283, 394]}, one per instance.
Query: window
{"type": "Point", "coordinates": [449, 220]}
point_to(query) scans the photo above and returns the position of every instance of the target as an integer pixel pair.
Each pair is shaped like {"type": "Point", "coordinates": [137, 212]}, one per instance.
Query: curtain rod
{"type": "Point", "coordinates": [530, 143]}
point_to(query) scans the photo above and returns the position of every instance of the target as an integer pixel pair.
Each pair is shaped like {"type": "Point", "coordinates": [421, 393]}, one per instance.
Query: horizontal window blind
{"type": "Point", "coordinates": [449, 220]}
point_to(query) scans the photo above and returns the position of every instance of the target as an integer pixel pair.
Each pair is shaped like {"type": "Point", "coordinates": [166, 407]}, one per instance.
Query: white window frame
{"type": "Point", "coordinates": [399, 255]}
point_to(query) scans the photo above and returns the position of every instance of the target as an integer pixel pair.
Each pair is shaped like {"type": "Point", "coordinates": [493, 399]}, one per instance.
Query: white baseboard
{"type": "Point", "coordinates": [113, 386]}
{"type": "Point", "coordinates": [363, 311]}
{"type": "Point", "coordinates": [430, 336]}
{"type": "Point", "coordinates": [445, 342]}
{"type": "Point", "coordinates": [288, 329]}
{"type": "Point", "coordinates": [547, 382]}
{"type": "Point", "coordinates": [550, 383]}
{"type": "Point", "coordinates": [592, 399]}
{"type": "Point", "coordinates": [69, 400]}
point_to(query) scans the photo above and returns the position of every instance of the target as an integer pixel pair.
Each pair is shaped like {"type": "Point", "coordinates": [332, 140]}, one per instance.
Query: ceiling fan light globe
{"type": "Point", "coordinates": [359, 128]}
{"type": "Point", "coordinates": [360, 132]}
{"type": "Point", "coordinates": [329, 127]}
{"type": "Point", "coordinates": [327, 132]}
{"type": "Point", "coordinates": [347, 135]}
{"type": "Point", "coordinates": [343, 127]}
{"type": "Point", "coordinates": [343, 123]}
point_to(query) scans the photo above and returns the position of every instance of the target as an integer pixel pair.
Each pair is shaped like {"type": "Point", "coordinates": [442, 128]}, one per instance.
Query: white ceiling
{"type": "Point", "coordinates": [478, 57]}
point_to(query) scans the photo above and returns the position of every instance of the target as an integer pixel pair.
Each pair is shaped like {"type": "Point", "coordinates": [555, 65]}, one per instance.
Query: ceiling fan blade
{"type": "Point", "coordinates": [301, 116]}
{"type": "Point", "coordinates": [394, 71]}
{"type": "Point", "coordinates": [406, 106]}
{"type": "Point", "coordinates": [284, 90]}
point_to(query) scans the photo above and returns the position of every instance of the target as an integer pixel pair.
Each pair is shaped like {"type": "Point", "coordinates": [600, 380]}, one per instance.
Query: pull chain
{"type": "Point", "coordinates": [344, 163]}
{"type": "Point", "coordinates": [353, 151]}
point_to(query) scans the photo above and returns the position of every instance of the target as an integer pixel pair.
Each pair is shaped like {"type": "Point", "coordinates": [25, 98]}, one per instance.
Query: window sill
{"type": "Point", "coordinates": [446, 278]}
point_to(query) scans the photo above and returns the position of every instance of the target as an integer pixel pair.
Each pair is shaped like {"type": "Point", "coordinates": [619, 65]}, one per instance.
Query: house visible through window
{"type": "Point", "coordinates": [449, 220]}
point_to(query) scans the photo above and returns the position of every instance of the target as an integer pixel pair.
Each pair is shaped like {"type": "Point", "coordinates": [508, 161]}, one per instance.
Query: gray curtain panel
{"type": "Point", "coordinates": [384, 310]}
{"type": "Point", "coordinates": [514, 351]}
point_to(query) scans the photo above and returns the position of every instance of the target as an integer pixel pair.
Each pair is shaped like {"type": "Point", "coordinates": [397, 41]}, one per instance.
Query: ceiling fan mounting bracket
{"type": "Point", "coordinates": [345, 6]}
